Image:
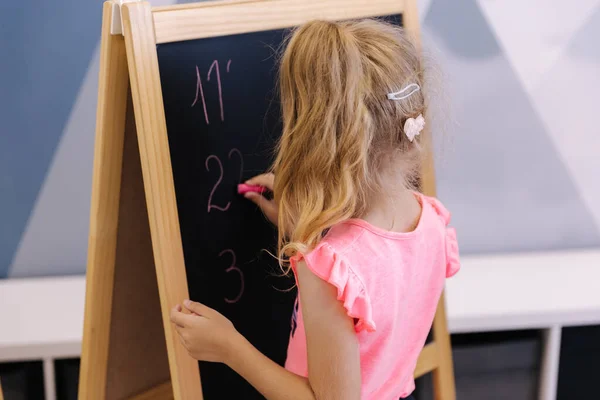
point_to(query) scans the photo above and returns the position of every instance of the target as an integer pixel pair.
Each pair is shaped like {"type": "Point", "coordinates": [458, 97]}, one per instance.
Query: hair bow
{"type": "Point", "coordinates": [413, 127]}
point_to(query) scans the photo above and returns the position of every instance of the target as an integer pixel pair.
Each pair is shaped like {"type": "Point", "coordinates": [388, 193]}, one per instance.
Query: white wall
{"type": "Point", "coordinates": [517, 166]}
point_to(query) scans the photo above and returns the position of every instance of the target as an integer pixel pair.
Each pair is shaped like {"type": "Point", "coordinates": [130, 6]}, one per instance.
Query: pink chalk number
{"type": "Point", "coordinates": [219, 86]}
{"type": "Point", "coordinates": [212, 192]}
{"type": "Point", "coordinates": [200, 88]}
{"type": "Point", "coordinates": [200, 91]}
{"type": "Point", "coordinates": [232, 268]}
{"type": "Point", "coordinates": [212, 159]}
{"type": "Point", "coordinates": [232, 152]}
{"type": "Point", "coordinates": [239, 154]}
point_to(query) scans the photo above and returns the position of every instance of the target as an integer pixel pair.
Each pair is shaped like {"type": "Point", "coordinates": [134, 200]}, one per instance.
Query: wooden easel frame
{"type": "Point", "coordinates": [124, 353]}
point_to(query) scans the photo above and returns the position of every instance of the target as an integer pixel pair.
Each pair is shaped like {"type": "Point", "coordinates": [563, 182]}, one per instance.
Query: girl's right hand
{"type": "Point", "coordinates": [268, 207]}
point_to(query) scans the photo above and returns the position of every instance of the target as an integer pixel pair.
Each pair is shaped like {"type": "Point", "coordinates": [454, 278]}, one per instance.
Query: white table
{"type": "Point", "coordinates": [545, 291]}
{"type": "Point", "coordinates": [42, 319]}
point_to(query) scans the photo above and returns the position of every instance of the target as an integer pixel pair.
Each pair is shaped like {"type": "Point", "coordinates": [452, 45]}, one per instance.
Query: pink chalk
{"type": "Point", "coordinates": [244, 188]}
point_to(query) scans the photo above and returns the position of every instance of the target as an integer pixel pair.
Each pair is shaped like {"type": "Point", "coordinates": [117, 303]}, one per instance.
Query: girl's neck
{"type": "Point", "coordinates": [397, 211]}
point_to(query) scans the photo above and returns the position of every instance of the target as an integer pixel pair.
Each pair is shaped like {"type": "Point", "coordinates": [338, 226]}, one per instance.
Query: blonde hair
{"type": "Point", "coordinates": [341, 133]}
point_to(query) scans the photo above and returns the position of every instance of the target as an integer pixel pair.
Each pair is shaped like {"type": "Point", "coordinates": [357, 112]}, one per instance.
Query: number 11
{"type": "Point", "coordinates": [200, 89]}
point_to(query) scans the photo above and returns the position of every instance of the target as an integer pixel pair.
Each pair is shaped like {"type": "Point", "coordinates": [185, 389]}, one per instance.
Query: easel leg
{"type": "Point", "coordinates": [108, 152]}
{"type": "Point", "coordinates": [550, 360]}
{"type": "Point", "coordinates": [443, 377]}
{"type": "Point", "coordinates": [49, 379]}
{"type": "Point", "coordinates": [138, 29]}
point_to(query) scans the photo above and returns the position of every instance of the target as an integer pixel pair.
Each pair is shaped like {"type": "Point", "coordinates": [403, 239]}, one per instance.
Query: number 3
{"type": "Point", "coordinates": [232, 267]}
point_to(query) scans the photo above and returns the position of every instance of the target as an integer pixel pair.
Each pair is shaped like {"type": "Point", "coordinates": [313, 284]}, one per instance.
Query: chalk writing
{"type": "Point", "coordinates": [232, 153]}
{"type": "Point", "coordinates": [231, 268]}
{"type": "Point", "coordinates": [239, 153]}
{"type": "Point", "coordinates": [219, 180]}
{"type": "Point", "coordinates": [215, 159]}
{"type": "Point", "coordinates": [199, 90]}
{"type": "Point", "coordinates": [216, 63]}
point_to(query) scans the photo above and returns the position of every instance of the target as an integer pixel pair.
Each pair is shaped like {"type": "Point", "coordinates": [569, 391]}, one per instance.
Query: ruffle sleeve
{"type": "Point", "coordinates": [452, 253]}
{"type": "Point", "coordinates": [333, 268]}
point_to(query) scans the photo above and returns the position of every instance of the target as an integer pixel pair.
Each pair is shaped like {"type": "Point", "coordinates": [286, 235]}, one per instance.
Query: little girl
{"type": "Point", "coordinates": [369, 254]}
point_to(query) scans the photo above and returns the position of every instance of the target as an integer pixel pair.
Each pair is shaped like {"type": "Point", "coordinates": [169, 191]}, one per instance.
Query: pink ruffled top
{"type": "Point", "coordinates": [390, 284]}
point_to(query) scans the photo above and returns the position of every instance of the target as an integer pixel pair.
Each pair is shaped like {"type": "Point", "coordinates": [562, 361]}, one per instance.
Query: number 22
{"type": "Point", "coordinates": [220, 165]}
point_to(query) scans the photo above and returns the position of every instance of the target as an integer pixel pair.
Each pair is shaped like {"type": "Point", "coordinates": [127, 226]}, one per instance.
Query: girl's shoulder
{"type": "Point", "coordinates": [434, 217]}
{"type": "Point", "coordinates": [357, 239]}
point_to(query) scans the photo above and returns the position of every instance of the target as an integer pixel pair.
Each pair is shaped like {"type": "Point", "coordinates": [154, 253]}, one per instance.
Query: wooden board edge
{"type": "Point", "coordinates": [202, 4]}
{"type": "Point", "coordinates": [410, 21]}
{"type": "Point", "coordinates": [443, 377]}
{"type": "Point", "coordinates": [177, 24]}
{"type": "Point", "coordinates": [428, 360]}
{"type": "Point", "coordinates": [104, 212]}
{"type": "Point", "coordinates": [138, 29]}
{"type": "Point", "coordinates": [164, 391]}
{"type": "Point", "coordinates": [437, 356]}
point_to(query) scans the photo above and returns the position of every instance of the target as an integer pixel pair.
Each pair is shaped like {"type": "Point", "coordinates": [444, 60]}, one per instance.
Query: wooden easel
{"type": "Point", "coordinates": [136, 269]}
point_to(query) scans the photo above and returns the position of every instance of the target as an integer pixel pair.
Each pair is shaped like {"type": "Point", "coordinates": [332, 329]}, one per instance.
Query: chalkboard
{"type": "Point", "coordinates": [223, 120]}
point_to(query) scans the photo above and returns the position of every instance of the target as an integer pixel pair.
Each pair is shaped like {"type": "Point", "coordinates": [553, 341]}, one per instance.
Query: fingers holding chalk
{"type": "Point", "coordinates": [266, 180]}
{"type": "Point", "coordinates": [254, 189]}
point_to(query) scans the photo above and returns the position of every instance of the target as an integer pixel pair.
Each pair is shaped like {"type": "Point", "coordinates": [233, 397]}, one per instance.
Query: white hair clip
{"type": "Point", "coordinates": [405, 92]}
{"type": "Point", "coordinates": [413, 127]}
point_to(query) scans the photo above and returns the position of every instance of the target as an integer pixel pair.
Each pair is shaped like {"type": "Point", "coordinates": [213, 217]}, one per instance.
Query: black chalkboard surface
{"type": "Point", "coordinates": [223, 119]}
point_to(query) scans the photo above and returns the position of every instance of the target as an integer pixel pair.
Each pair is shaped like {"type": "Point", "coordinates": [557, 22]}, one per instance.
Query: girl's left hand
{"type": "Point", "coordinates": [205, 333]}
